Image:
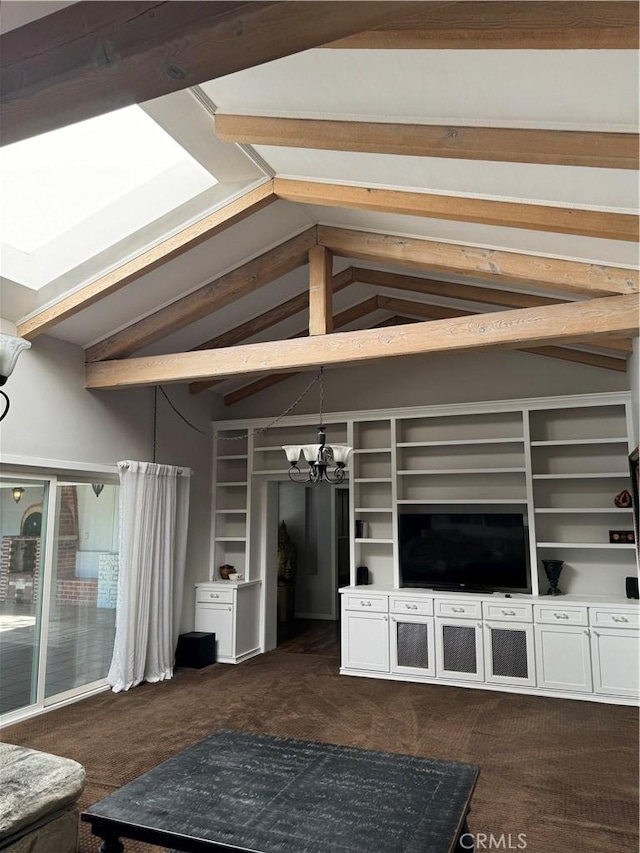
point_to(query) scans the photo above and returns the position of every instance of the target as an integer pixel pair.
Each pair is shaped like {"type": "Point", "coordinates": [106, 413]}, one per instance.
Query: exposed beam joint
{"type": "Point", "coordinates": [514, 145]}
{"type": "Point", "coordinates": [264, 321]}
{"type": "Point", "coordinates": [567, 322]}
{"type": "Point", "coordinates": [500, 267]}
{"type": "Point", "coordinates": [534, 217]}
{"type": "Point", "coordinates": [210, 297]}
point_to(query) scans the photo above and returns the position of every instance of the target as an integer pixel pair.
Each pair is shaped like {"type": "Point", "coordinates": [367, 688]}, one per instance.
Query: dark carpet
{"type": "Point", "coordinates": [561, 772]}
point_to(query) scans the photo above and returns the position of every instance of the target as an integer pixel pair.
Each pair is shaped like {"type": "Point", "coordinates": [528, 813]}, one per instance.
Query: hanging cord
{"type": "Point", "coordinates": [179, 414]}
{"type": "Point", "coordinates": [299, 398]}
{"type": "Point", "coordinates": [155, 422]}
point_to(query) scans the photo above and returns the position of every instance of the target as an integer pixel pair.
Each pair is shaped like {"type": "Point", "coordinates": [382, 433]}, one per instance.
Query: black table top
{"type": "Point", "coordinates": [246, 792]}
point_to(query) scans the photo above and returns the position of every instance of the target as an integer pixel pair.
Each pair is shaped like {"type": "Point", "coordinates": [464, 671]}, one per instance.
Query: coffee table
{"type": "Point", "coordinates": [234, 791]}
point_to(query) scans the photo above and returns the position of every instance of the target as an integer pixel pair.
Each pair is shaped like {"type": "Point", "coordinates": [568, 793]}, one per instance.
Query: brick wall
{"type": "Point", "coordinates": [77, 591]}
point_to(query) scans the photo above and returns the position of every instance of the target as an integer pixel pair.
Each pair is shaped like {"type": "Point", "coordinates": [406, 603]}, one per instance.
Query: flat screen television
{"type": "Point", "coordinates": [476, 552]}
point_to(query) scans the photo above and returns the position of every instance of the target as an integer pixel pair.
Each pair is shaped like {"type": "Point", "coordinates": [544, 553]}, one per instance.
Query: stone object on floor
{"type": "Point", "coordinates": [38, 801]}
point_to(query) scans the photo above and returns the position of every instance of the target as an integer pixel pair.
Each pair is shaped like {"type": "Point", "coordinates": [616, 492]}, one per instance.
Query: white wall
{"type": "Point", "coordinates": [53, 416]}
{"type": "Point", "coordinates": [434, 379]}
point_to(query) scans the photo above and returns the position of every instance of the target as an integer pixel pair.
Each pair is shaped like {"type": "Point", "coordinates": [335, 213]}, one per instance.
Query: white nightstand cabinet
{"type": "Point", "coordinates": [365, 632]}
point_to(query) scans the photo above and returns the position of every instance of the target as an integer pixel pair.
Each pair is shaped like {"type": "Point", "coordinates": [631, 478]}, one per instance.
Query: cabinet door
{"type": "Point", "coordinates": [217, 619]}
{"type": "Point", "coordinates": [365, 641]}
{"type": "Point", "coordinates": [615, 661]}
{"type": "Point", "coordinates": [459, 653]}
{"type": "Point", "coordinates": [563, 659]}
{"type": "Point", "coordinates": [509, 657]}
{"type": "Point", "coordinates": [412, 645]}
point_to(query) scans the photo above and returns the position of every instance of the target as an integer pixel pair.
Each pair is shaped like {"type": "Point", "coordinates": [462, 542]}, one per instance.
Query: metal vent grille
{"type": "Point", "coordinates": [509, 652]}
{"type": "Point", "coordinates": [459, 645]}
{"type": "Point", "coordinates": [413, 645]}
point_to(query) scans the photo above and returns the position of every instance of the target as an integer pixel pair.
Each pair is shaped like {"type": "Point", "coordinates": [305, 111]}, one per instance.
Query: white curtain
{"type": "Point", "coordinates": [154, 511]}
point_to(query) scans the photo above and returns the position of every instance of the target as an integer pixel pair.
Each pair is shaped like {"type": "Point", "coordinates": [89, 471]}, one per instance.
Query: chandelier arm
{"type": "Point", "coordinates": [298, 476]}
{"type": "Point", "coordinates": [336, 477]}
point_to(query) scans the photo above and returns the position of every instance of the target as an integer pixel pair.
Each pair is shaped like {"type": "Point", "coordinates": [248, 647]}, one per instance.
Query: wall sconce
{"type": "Point", "coordinates": [17, 492]}
{"type": "Point", "coordinates": [10, 349]}
{"type": "Point", "coordinates": [97, 488]}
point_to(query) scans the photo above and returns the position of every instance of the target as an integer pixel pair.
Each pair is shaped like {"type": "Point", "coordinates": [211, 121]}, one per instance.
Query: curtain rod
{"type": "Point", "coordinates": [182, 472]}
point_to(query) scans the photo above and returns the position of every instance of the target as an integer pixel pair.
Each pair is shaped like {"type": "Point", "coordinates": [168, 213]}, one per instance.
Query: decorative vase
{"type": "Point", "coordinates": [552, 569]}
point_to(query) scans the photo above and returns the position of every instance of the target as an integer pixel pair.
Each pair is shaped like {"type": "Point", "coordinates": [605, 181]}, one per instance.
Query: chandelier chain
{"type": "Point", "coordinates": [299, 398]}
{"type": "Point", "coordinates": [321, 374]}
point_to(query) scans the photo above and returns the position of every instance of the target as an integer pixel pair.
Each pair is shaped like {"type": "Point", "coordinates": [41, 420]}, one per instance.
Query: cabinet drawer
{"type": "Point", "coordinates": [417, 606]}
{"type": "Point", "coordinates": [368, 603]}
{"type": "Point", "coordinates": [614, 618]}
{"type": "Point", "coordinates": [560, 615]}
{"type": "Point", "coordinates": [508, 612]}
{"type": "Point", "coordinates": [460, 609]}
{"type": "Point", "coordinates": [209, 595]}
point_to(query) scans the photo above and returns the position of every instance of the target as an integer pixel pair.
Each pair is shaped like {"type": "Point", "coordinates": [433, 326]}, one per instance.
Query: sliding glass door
{"type": "Point", "coordinates": [58, 584]}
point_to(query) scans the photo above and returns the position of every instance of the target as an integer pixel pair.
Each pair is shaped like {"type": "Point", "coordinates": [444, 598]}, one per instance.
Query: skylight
{"type": "Point", "coordinates": [103, 178]}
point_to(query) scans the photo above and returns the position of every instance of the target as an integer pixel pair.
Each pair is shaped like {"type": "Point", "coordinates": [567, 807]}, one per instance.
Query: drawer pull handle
{"type": "Point", "coordinates": [458, 609]}
{"type": "Point", "coordinates": [415, 607]}
{"type": "Point", "coordinates": [214, 595]}
{"type": "Point", "coordinates": [508, 612]}
{"type": "Point", "coordinates": [561, 615]}
{"type": "Point", "coordinates": [365, 604]}
{"type": "Point", "coordinates": [620, 619]}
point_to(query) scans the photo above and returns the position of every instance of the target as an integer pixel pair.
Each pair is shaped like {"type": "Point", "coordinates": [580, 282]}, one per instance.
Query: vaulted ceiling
{"type": "Point", "coordinates": [401, 178]}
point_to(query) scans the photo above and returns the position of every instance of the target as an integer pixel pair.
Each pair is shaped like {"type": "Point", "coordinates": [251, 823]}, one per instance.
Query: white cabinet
{"type": "Point", "coordinates": [232, 612]}
{"type": "Point", "coordinates": [412, 635]}
{"type": "Point", "coordinates": [563, 659]}
{"type": "Point", "coordinates": [616, 663]}
{"type": "Point", "coordinates": [365, 641]}
{"type": "Point", "coordinates": [508, 653]}
{"type": "Point", "coordinates": [459, 650]}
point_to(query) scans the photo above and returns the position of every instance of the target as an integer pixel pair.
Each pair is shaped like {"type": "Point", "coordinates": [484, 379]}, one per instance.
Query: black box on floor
{"type": "Point", "coordinates": [196, 649]}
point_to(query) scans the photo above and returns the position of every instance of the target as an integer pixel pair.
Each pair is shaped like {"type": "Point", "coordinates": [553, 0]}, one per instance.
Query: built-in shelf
{"type": "Point", "coordinates": [462, 471]}
{"type": "Point", "coordinates": [466, 501]}
{"type": "Point", "coordinates": [231, 512]}
{"type": "Point", "coordinates": [604, 546]}
{"type": "Point", "coordinates": [234, 456]}
{"type": "Point", "coordinates": [602, 476]}
{"type": "Point", "coordinates": [576, 441]}
{"type": "Point", "coordinates": [372, 480]}
{"type": "Point", "coordinates": [372, 450]}
{"type": "Point", "coordinates": [234, 483]}
{"type": "Point", "coordinates": [270, 449]}
{"type": "Point", "coordinates": [372, 541]}
{"type": "Point", "coordinates": [361, 509]}
{"type": "Point", "coordinates": [231, 538]}
{"type": "Point", "coordinates": [457, 442]}
{"type": "Point", "coordinates": [278, 471]}
{"type": "Point", "coordinates": [582, 510]}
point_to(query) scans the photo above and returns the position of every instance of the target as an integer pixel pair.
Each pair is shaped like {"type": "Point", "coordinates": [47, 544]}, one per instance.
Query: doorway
{"type": "Point", "coordinates": [312, 562]}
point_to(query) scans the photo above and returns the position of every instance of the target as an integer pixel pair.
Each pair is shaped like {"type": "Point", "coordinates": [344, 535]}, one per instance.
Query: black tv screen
{"type": "Point", "coordinates": [482, 552]}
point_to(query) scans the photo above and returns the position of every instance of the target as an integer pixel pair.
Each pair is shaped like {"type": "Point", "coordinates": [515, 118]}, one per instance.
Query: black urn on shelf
{"type": "Point", "coordinates": [552, 569]}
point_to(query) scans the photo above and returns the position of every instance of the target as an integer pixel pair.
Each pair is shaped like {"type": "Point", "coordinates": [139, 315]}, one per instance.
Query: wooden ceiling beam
{"type": "Point", "coordinates": [264, 321]}
{"type": "Point", "coordinates": [507, 26]}
{"type": "Point", "coordinates": [523, 327]}
{"type": "Point", "coordinates": [534, 217]}
{"type": "Point", "coordinates": [210, 297]}
{"type": "Point", "coordinates": [210, 225]}
{"type": "Point", "coordinates": [426, 311]}
{"type": "Point", "coordinates": [90, 58]}
{"type": "Point", "coordinates": [510, 268]}
{"type": "Point", "coordinates": [581, 357]}
{"type": "Point", "coordinates": [320, 291]}
{"type": "Point", "coordinates": [513, 145]}
{"type": "Point", "coordinates": [356, 312]}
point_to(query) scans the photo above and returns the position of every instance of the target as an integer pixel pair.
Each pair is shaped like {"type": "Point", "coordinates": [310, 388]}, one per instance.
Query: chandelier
{"type": "Point", "coordinates": [326, 462]}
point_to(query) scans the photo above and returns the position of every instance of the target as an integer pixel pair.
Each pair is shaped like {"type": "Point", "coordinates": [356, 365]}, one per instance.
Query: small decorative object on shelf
{"type": "Point", "coordinates": [362, 529]}
{"type": "Point", "coordinates": [552, 569]}
{"type": "Point", "coordinates": [225, 571]}
{"type": "Point", "coordinates": [617, 537]}
{"type": "Point", "coordinates": [623, 500]}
